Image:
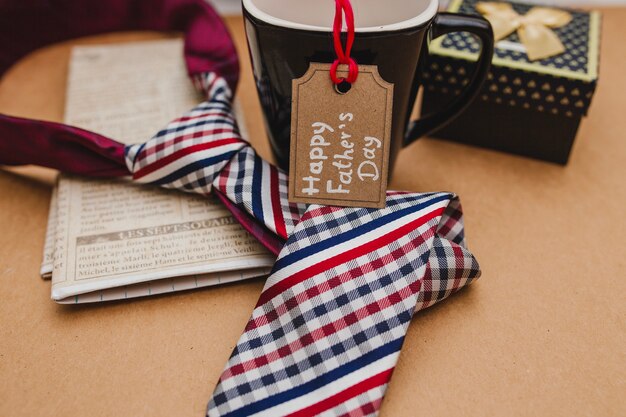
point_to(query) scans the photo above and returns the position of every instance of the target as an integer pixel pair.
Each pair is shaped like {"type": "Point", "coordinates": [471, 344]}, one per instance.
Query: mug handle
{"type": "Point", "coordinates": [446, 23]}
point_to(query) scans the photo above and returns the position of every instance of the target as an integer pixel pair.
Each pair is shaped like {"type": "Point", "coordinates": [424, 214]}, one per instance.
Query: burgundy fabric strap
{"type": "Point", "coordinates": [55, 145]}
{"type": "Point", "coordinates": [28, 25]}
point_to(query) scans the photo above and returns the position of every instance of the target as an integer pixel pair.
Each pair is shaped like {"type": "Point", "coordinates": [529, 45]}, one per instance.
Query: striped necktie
{"type": "Point", "coordinates": [326, 333]}
{"type": "Point", "coordinates": [327, 330]}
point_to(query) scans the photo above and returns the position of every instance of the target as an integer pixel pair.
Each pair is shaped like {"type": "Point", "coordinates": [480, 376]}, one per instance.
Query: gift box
{"type": "Point", "coordinates": [526, 107]}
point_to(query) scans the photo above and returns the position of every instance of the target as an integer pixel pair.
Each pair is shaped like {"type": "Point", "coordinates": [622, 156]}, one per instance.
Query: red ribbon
{"type": "Point", "coordinates": [343, 7]}
{"type": "Point", "coordinates": [26, 26]}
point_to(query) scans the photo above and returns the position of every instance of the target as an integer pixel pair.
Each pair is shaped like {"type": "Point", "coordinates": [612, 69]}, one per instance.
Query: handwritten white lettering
{"type": "Point", "coordinates": [343, 159]}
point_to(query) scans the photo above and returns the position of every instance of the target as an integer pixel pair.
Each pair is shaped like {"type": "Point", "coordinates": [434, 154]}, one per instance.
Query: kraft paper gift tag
{"type": "Point", "coordinates": [340, 141]}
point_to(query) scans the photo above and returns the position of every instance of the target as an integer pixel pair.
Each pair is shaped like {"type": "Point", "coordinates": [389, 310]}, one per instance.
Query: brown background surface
{"type": "Point", "coordinates": [541, 333]}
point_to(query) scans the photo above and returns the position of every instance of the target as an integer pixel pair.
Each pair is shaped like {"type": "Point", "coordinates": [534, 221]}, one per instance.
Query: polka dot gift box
{"type": "Point", "coordinates": [544, 74]}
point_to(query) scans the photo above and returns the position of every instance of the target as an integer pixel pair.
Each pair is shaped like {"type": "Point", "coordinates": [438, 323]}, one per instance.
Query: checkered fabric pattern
{"type": "Point", "coordinates": [327, 330]}
{"type": "Point", "coordinates": [253, 183]}
{"type": "Point", "coordinates": [204, 149]}
{"type": "Point", "coordinates": [326, 333]}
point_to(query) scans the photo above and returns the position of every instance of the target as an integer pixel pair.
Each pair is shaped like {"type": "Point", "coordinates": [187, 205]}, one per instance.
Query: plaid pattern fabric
{"type": "Point", "coordinates": [253, 183]}
{"type": "Point", "coordinates": [327, 330]}
{"type": "Point", "coordinates": [204, 149]}
{"type": "Point", "coordinates": [330, 322]}
{"type": "Point", "coordinates": [192, 150]}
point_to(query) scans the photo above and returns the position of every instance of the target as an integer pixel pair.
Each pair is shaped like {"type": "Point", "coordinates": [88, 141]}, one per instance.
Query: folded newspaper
{"type": "Point", "coordinates": [112, 239]}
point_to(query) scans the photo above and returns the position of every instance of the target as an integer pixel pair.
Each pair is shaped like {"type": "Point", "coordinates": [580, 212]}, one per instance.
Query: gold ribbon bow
{"type": "Point", "coordinates": [533, 28]}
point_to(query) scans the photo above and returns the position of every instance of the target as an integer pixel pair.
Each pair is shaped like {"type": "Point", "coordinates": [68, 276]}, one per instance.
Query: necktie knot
{"type": "Point", "coordinates": [191, 151]}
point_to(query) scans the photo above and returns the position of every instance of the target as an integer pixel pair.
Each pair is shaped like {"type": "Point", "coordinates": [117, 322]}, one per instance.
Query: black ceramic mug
{"type": "Point", "coordinates": [284, 36]}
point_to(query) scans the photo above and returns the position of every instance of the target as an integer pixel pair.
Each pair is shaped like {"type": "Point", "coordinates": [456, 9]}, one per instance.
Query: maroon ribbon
{"type": "Point", "coordinates": [28, 25]}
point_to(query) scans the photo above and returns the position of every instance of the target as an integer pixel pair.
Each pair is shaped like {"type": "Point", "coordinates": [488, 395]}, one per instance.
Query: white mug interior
{"type": "Point", "coordinates": [318, 15]}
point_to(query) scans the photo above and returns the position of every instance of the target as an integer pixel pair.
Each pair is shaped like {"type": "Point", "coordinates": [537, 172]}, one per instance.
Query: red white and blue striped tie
{"type": "Point", "coordinates": [327, 330]}
{"type": "Point", "coordinates": [326, 333]}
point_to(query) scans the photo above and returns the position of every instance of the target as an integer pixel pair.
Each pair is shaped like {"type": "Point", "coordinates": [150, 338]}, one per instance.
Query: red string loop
{"type": "Point", "coordinates": [343, 56]}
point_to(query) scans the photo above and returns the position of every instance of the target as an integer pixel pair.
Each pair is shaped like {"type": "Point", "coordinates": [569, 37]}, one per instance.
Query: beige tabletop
{"type": "Point", "coordinates": [542, 333]}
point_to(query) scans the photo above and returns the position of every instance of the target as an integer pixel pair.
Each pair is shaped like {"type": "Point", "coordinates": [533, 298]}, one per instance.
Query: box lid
{"type": "Point", "coordinates": [561, 84]}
